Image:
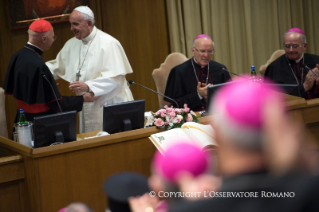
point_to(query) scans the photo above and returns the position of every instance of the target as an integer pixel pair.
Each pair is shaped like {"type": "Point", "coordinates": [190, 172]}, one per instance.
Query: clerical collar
{"type": "Point", "coordinates": [34, 48]}
{"type": "Point", "coordinates": [197, 63]}
{"type": "Point", "coordinates": [297, 61]}
{"type": "Point", "coordinates": [90, 37]}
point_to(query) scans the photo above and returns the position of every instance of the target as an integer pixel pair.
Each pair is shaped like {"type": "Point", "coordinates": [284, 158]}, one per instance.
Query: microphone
{"type": "Point", "coordinates": [57, 101]}
{"type": "Point", "coordinates": [303, 65]}
{"type": "Point", "coordinates": [223, 68]}
{"type": "Point", "coordinates": [132, 82]}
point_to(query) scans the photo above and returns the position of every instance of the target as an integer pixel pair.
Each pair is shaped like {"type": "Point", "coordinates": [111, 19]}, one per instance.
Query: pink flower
{"type": "Point", "coordinates": [159, 122]}
{"type": "Point", "coordinates": [172, 114]}
{"type": "Point", "coordinates": [189, 117]}
{"type": "Point", "coordinates": [178, 110]}
{"type": "Point", "coordinates": [169, 110]}
{"type": "Point", "coordinates": [162, 111]}
{"type": "Point", "coordinates": [171, 117]}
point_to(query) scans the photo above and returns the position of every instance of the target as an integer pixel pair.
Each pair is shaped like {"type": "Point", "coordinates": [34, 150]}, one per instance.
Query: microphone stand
{"type": "Point", "coordinates": [223, 68]}
{"type": "Point", "coordinates": [132, 82]}
{"type": "Point", "coordinates": [57, 101]}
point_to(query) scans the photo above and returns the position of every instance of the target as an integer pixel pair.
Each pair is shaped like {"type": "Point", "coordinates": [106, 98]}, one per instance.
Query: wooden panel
{"type": "Point", "coordinates": [16, 147]}
{"type": "Point", "coordinates": [141, 27]}
{"type": "Point", "coordinates": [13, 195]}
{"type": "Point", "coordinates": [311, 115]}
{"type": "Point", "coordinates": [9, 197]}
{"type": "Point", "coordinates": [57, 177]}
{"type": "Point", "coordinates": [11, 169]}
{"type": "Point", "coordinates": [83, 182]}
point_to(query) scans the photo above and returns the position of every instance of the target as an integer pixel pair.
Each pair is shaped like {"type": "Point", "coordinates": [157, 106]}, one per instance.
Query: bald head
{"type": "Point", "coordinates": [43, 40]}
{"type": "Point", "coordinates": [78, 207]}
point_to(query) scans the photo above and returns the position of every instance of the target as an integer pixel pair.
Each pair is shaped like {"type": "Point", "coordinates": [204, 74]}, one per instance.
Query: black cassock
{"type": "Point", "coordinates": [26, 83]}
{"type": "Point", "coordinates": [282, 73]}
{"type": "Point", "coordinates": [182, 82]}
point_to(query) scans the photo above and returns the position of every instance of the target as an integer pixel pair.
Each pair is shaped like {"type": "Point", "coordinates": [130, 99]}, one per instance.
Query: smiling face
{"type": "Point", "coordinates": [203, 50]}
{"type": "Point", "coordinates": [79, 26]}
{"type": "Point", "coordinates": [294, 45]}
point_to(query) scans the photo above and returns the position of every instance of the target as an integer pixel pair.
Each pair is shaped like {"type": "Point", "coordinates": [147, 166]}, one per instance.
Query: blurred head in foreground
{"type": "Point", "coordinates": [181, 158]}
{"type": "Point", "coordinates": [120, 187]}
{"type": "Point", "coordinates": [76, 207]}
{"type": "Point", "coordinates": [239, 123]}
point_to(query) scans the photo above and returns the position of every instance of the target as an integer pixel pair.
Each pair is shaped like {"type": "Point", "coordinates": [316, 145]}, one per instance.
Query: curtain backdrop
{"type": "Point", "coordinates": [245, 32]}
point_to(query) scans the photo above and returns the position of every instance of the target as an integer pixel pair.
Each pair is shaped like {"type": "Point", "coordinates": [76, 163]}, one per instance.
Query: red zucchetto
{"type": "Point", "coordinates": [40, 25]}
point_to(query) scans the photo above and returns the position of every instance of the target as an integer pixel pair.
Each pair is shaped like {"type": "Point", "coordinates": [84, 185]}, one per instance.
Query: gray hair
{"type": "Point", "coordinates": [194, 42]}
{"type": "Point", "coordinates": [243, 137]}
{"type": "Point", "coordinates": [87, 18]}
{"type": "Point", "coordinates": [303, 37]}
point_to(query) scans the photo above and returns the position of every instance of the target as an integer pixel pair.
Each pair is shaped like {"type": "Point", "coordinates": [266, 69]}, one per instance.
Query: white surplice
{"type": "Point", "coordinates": [103, 65]}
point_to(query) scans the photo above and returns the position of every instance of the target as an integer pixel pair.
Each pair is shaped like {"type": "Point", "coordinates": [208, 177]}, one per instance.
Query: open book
{"type": "Point", "coordinates": [203, 135]}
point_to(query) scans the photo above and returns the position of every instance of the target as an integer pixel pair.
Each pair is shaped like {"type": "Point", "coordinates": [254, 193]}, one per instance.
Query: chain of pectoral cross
{"type": "Point", "coordinates": [78, 74]}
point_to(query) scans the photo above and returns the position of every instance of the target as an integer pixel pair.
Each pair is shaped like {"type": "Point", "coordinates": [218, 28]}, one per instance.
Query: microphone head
{"type": "Point", "coordinates": [131, 82]}
{"type": "Point", "coordinates": [305, 66]}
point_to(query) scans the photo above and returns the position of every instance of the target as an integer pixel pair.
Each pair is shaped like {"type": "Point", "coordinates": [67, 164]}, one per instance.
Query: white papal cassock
{"type": "Point", "coordinates": [103, 65]}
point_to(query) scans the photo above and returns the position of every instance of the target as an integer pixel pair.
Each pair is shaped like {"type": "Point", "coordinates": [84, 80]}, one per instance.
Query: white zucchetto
{"type": "Point", "coordinates": [85, 10]}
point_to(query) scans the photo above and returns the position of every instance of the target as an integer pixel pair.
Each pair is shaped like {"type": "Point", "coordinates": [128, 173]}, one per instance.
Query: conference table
{"type": "Point", "coordinates": [49, 178]}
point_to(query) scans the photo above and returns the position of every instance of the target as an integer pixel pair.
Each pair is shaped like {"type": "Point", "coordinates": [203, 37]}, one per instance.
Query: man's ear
{"type": "Point", "coordinates": [305, 46]}
{"type": "Point", "coordinates": [44, 38]}
{"type": "Point", "coordinates": [90, 23]}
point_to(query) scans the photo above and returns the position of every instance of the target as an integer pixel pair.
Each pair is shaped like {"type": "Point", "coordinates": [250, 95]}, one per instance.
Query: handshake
{"type": "Point", "coordinates": [80, 87]}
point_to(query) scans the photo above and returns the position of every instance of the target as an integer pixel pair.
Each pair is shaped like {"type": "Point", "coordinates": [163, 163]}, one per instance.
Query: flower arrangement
{"type": "Point", "coordinates": [171, 117]}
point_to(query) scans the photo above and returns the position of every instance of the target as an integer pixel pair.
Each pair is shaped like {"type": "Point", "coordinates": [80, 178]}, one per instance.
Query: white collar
{"type": "Point", "coordinates": [297, 61]}
{"type": "Point", "coordinates": [34, 45]}
{"type": "Point", "coordinates": [90, 37]}
{"type": "Point", "coordinates": [197, 63]}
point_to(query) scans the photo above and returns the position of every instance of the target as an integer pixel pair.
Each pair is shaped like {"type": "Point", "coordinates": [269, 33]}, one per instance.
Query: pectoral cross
{"type": "Point", "coordinates": [78, 75]}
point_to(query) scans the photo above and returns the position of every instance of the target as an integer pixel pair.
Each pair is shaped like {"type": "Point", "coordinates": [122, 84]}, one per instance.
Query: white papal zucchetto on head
{"type": "Point", "coordinates": [85, 10]}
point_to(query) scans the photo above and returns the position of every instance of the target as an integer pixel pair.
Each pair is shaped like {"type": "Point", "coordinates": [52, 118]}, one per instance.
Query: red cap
{"type": "Point", "coordinates": [40, 25]}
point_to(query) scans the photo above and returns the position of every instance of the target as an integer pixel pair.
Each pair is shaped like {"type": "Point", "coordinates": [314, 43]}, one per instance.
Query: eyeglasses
{"type": "Point", "coordinates": [294, 46]}
{"type": "Point", "coordinates": [201, 52]}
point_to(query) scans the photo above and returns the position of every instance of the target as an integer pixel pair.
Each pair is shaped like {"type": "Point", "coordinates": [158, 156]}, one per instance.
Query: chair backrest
{"type": "Point", "coordinates": [3, 120]}
{"type": "Point", "coordinates": [160, 75]}
{"type": "Point", "coordinates": [272, 58]}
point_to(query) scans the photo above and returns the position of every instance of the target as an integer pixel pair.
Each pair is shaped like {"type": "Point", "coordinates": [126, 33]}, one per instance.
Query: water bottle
{"type": "Point", "coordinates": [23, 130]}
{"type": "Point", "coordinates": [22, 119]}
{"type": "Point", "coordinates": [253, 72]}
